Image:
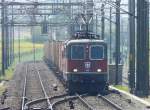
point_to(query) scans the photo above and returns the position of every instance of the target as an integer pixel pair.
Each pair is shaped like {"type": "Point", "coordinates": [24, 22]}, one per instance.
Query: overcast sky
{"type": "Point", "coordinates": [123, 1]}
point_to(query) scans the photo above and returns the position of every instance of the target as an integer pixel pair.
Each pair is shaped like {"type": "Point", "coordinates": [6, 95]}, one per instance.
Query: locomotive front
{"type": "Point", "coordinates": [86, 65]}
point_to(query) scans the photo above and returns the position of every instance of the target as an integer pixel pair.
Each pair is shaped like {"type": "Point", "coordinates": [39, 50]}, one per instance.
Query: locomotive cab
{"type": "Point", "coordinates": [81, 62]}
{"type": "Point", "coordinates": [86, 65]}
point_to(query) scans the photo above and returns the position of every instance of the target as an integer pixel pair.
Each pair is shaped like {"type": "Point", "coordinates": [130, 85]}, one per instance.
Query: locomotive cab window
{"type": "Point", "coordinates": [77, 52]}
{"type": "Point", "coordinates": [97, 52]}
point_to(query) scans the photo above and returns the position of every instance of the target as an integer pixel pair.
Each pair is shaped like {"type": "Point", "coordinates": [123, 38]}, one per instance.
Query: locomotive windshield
{"type": "Point", "coordinates": [97, 52]}
{"type": "Point", "coordinates": [77, 52]}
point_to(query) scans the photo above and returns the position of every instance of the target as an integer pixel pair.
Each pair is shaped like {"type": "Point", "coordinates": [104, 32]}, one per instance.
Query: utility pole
{"type": "Point", "coordinates": [89, 14]}
{"type": "Point", "coordinates": [117, 53]}
{"type": "Point", "coordinates": [96, 23]}
{"type": "Point", "coordinates": [142, 69]}
{"type": "Point", "coordinates": [110, 39]}
{"type": "Point", "coordinates": [102, 22]}
{"type": "Point", "coordinates": [7, 39]}
{"type": "Point", "coordinates": [13, 39]}
{"type": "Point", "coordinates": [34, 49]}
{"type": "Point", "coordinates": [19, 44]}
{"type": "Point", "coordinates": [70, 27]}
{"type": "Point", "coordinates": [10, 46]}
{"type": "Point", "coordinates": [132, 46]}
{"type": "Point", "coordinates": [3, 37]}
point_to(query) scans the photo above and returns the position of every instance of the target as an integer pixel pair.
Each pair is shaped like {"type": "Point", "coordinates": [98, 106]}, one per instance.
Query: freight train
{"type": "Point", "coordinates": [82, 62]}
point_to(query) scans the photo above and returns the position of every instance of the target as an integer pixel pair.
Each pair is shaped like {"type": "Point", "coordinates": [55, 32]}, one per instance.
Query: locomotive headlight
{"type": "Point", "coordinates": [99, 70]}
{"type": "Point", "coordinates": [75, 70]}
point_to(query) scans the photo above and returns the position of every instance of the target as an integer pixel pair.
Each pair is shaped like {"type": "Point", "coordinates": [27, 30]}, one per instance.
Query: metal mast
{"type": "Point", "coordinates": [102, 21]}
{"type": "Point", "coordinates": [117, 53]}
{"type": "Point", "coordinates": [142, 70]}
{"type": "Point", "coordinates": [89, 13]}
{"type": "Point", "coordinates": [132, 45]}
{"type": "Point", "coordinates": [3, 37]}
{"type": "Point", "coordinates": [110, 39]}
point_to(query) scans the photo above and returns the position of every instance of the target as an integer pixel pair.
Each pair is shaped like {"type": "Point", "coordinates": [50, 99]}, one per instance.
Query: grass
{"type": "Point", "coordinates": [30, 56]}
{"type": "Point", "coordinates": [8, 74]}
{"type": "Point", "coordinates": [120, 87]}
{"type": "Point", "coordinates": [2, 89]}
{"type": "Point", "coordinates": [26, 47]}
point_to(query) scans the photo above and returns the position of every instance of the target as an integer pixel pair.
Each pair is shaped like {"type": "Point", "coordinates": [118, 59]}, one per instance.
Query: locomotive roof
{"type": "Point", "coordinates": [84, 41]}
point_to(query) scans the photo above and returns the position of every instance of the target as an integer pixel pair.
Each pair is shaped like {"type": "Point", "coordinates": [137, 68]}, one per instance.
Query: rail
{"type": "Point", "coordinates": [44, 91]}
{"type": "Point", "coordinates": [68, 98]}
{"type": "Point", "coordinates": [24, 104]}
{"type": "Point", "coordinates": [85, 102]}
{"type": "Point", "coordinates": [110, 102]}
{"type": "Point", "coordinates": [44, 99]}
{"type": "Point", "coordinates": [24, 89]}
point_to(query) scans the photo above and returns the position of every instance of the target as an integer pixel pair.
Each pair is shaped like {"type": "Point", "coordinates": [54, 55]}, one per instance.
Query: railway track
{"type": "Point", "coordinates": [105, 104]}
{"type": "Point", "coordinates": [85, 103]}
{"type": "Point", "coordinates": [99, 102]}
{"type": "Point", "coordinates": [53, 101]}
{"type": "Point", "coordinates": [24, 90]}
{"type": "Point", "coordinates": [117, 107]}
{"type": "Point", "coordinates": [44, 91]}
{"type": "Point", "coordinates": [41, 86]}
{"type": "Point", "coordinates": [27, 91]}
{"type": "Point", "coordinates": [38, 93]}
{"type": "Point", "coordinates": [72, 103]}
{"type": "Point", "coordinates": [38, 85]}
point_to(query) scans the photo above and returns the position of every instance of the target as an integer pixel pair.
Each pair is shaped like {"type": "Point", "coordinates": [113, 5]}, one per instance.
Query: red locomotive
{"type": "Point", "coordinates": [82, 62]}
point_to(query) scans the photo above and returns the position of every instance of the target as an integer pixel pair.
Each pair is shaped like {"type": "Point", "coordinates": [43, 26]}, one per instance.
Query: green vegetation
{"type": "Point", "coordinates": [29, 56]}
{"type": "Point", "coordinates": [8, 74]}
{"type": "Point", "coordinates": [2, 89]}
{"type": "Point", "coordinates": [25, 46]}
{"type": "Point", "coordinates": [26, 54]}
{"type": "Point", "coordinates": [120, 87]}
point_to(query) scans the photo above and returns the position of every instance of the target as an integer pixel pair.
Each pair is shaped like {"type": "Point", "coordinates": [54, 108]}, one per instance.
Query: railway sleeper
{"type": "Point", "coordinates": [4, 96]}
{"type": "Point", "coordinates": [71, 104]}
{"type": "Point", "coordinates": [6, 108]}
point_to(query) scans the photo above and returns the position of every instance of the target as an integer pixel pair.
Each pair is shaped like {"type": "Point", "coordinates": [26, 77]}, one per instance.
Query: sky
{"type": "Point", "coordinates": [123, 1]}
